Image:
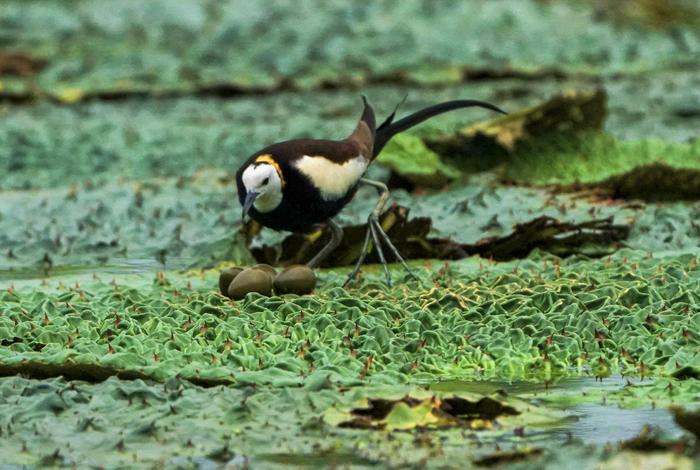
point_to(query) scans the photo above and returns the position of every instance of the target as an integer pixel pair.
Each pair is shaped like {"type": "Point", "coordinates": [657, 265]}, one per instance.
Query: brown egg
{"type": "Point", "coordinates": [226, 276]}
{"type": "Point", "coordinates": [297, 279]}
{"type": "Point", "coordinates": [250, 280]}
{"type": "Point", "coordinates": [267, 268]}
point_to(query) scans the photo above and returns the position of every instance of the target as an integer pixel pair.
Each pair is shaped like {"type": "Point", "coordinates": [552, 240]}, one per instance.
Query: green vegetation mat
{"type": "Point", "coordinates": [155, 47]}
{"type": "Point", "coordinates": [176, 424]}
{"type": "Point", "coordinates": [544, 319]}
{"type": "Point", "coordinates": [119, 423]}
{"type": "Point", "coordinates": [202, 377]}
{"type": "Point", "coordinates": [664, 167]}
{"type": "Point", "coordinates": [183, 223]}
{"type": "Point", "coordinates": [49, 145]}
{"type": "Point", "coordinates": [122, 124]}
{"type": "Point", "coordinates": [143, 226]}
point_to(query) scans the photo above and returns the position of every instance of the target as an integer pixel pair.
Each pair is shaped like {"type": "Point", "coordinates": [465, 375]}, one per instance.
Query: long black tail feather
{"type": "Point", "coordinates": [389, 129]}
{"type": "Point", "coordinates": [391, 117]}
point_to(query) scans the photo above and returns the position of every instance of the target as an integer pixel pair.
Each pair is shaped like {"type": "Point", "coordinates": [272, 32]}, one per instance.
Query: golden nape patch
{"type": "Point", "coordinates": [267, 158]}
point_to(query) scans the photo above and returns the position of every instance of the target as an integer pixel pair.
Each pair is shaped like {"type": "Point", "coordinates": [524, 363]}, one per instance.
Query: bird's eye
{"type": "Point", "coordinates": [265, 181]}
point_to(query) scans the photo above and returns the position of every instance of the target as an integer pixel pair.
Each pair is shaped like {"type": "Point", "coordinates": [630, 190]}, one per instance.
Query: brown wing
{"type": "Point", "coordinates": [337, 151]}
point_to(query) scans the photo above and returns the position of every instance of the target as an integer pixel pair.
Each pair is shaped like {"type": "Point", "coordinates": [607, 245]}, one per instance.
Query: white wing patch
{"type": "Point", "coordinates": [332, 179]}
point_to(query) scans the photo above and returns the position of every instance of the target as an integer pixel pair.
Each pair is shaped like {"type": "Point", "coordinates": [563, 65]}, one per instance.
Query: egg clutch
{"type": "Point", "coordinates": [236, 282]}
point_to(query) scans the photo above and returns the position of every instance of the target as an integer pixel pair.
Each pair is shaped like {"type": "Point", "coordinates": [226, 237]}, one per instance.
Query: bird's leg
{"type": "Point", "coordinates": [360, 260]}
{"type": "Point", "coordinates": [380, 252]}
{"type": "Point", "coordinates": [336, 238]}
{"type": "Point", "coordinates": [378, 234]}
{"type": "Point", "coordinates": [394, 250]}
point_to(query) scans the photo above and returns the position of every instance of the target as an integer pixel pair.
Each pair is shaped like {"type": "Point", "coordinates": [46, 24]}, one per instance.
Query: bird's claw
{"type": "Point", "coordinates": [375, 230]}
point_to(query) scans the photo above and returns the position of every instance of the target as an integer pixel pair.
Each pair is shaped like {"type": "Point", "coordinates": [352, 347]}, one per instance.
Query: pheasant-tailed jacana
{"type": "Point", "coordinates": [297, 184]}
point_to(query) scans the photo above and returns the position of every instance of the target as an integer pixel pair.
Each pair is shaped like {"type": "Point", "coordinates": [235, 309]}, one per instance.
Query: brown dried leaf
{"type": "Point", "coordinates": [412, 240]}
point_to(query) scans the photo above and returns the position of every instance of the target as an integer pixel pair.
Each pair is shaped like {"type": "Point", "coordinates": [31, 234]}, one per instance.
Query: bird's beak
{"type": "Point", "coordinates": [249, 200]}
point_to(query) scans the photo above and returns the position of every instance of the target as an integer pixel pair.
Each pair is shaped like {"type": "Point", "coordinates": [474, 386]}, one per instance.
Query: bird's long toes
{"type": "Point", "coordinates": [387, 275]}
{"type": "Point", "coordinates": [351, 278]}
{"type": "Point", "coordinates": [415, 277]}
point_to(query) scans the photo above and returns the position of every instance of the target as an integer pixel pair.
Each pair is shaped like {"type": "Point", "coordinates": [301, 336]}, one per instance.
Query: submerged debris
{"type": "Point", "coordinates": [658, 181]}
{"type": "Point", "coordinates": [93, 372]}
{"type": "Point", "coordinates": [20, 64]}
{"type": "Point", "coordinates": [432, 412]}
{"type": "Point", "coordinates": [687, 419]}
{"type": "Point", "coordinates": [505, 457]}
{"type": "Point", "coordinates": [648, 440]}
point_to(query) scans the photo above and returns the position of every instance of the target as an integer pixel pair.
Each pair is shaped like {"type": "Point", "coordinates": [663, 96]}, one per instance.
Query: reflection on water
{"type": "Point", "coordinates": [282, 460]}
{"type": "Point", "coordinates": [599, 424]}
{"type": "Point", "coordinates": [115, 266]}
{"type": "Point", "coordinates": [591, 423]}
{"type": "Point", "coordinates": [580, 384]}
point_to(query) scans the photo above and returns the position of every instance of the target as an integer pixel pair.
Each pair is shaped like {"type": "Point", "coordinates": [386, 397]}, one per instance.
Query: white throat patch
{"type": "Point", "coordinates": [264, 180]}
{"type": "Point", "coordinates": [332, 179]}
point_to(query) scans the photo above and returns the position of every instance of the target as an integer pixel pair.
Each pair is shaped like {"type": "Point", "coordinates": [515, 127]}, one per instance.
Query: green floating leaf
{"type": "Point", "coordinates": [568, 112]}
{"type": "Point", "coordinates": [648, 169]}
{"type": "Point", "coordinates": [404, 417]}
{"type": "Point", "coordinates": [409, 158]}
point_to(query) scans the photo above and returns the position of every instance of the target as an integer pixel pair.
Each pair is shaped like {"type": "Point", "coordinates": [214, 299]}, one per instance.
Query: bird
{"type": "Point", "coordinates": [297, 185]}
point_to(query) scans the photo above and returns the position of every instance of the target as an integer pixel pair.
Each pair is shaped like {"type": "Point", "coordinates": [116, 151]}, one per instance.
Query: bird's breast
{"type": "Point", "coordinates": [332, 179]}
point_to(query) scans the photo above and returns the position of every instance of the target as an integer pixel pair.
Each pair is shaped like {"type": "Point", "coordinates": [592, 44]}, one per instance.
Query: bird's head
{"type": "Point", "coordinates": [263, 183]}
